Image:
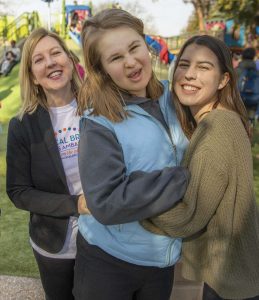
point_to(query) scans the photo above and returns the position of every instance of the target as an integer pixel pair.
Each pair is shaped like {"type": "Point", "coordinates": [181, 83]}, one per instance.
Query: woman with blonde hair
{"type": "Point", "coordinates": [42, 150]}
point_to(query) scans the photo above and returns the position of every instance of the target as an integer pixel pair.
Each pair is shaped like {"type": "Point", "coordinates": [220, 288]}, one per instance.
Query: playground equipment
{"type": "Point", "coordinates": [234, 36]}
{"type": "Point", "coordinates": [75, 16]}
{"type": "Point", "coordinates": [176, 42]}
{"type": "Point", "coordinates": [18, 28]}
{"type": "Point", "coordinates": [159, 45]}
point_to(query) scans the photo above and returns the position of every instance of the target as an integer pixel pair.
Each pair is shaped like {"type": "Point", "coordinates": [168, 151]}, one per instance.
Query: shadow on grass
{"type": "Point", "coordinates": [5, 93]}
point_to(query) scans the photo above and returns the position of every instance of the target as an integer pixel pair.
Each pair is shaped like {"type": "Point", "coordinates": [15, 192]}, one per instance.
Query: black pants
{"type": "Point", "coordinates": [100, 276]}
{"type": "Point", "coordinates": [57, 277]}
{"type": "Point", "coordinates": [210, 294]}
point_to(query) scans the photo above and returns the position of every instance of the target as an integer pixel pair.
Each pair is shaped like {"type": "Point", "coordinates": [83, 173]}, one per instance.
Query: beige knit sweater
{"type": "Point", "coordinates": [218, 215]}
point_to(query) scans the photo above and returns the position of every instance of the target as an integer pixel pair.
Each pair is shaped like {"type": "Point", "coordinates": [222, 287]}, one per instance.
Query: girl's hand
{"type": "Point", "coordinates": [82, 206]}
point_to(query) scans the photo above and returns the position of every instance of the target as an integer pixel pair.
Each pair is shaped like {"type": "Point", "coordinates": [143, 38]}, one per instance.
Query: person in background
{"type": "Point", "coordinates": [248, 83]}
{"type": "Point", "coordinates": [257, 58]}
{"type": "Point", "coordinates": [257, 68]}
{"type": "Point", "coordinates": [73, 20]}
{"type": "Point", "coordinates": [131, 145]}
{"type": "Point", "coordinates": [235, 60]}
{"type": "Point", "coordinates": [9, 58]}
{"type": "Point", "coordinates": [247, 62]}
{"type": "Point", "coordinates": [42, 164]}
{"type": "Point", "coordinates": [16, 50]}
{"type": "Point", "coordinates": [15, 57]}
{"type": "Point", "coordinates": [218, 216]}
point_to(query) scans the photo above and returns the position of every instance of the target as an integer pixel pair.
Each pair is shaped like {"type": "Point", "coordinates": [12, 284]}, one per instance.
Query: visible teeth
{"type": "Point", "coordinates": [56, 73]}
{"type": "Point", "coordinates": [134, 74]}
{"type": "Point", "coordinates": [189, 88]}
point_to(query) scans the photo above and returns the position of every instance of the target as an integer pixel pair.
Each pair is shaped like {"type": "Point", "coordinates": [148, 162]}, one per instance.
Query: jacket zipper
{"type": "Point", "coordinates": [174, 147]}
{"type": "Point", "coordinates": [167, 133]}
{"type": "Point", "coordinates": [171, 140]}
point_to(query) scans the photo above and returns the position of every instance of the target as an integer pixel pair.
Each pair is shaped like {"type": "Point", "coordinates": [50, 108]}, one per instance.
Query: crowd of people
{"type": "Point", "coordinates": [125, 175]}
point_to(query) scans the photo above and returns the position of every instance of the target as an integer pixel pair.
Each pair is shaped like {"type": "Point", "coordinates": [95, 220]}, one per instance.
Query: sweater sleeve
{"type": "Point", "coordinates": [19, 180]}
{"type": "Point", "coordinates": [204, 193]}
{"type": "Point", "coordinates": [114, 197]}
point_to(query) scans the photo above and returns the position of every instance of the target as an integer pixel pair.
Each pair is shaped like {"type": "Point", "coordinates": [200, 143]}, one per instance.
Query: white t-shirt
{"type": "Point", "coordinates": [17, 52]}
{"type": "Point", "coordinates": [65, 124]}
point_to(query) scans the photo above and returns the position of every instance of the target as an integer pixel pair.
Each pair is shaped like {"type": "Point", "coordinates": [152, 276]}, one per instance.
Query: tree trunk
{"type": "Point", "coordinates": [200, 16]}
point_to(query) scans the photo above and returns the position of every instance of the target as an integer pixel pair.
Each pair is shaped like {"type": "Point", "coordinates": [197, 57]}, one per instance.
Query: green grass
{"type": "Point", "coordinates": [9, 95]}
{"type": "Point", "coordinates": [16, 254]}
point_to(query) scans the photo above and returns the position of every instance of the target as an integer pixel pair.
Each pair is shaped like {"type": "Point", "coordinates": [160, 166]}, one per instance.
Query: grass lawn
{"type": "Point", "coordinates": [16, 253]}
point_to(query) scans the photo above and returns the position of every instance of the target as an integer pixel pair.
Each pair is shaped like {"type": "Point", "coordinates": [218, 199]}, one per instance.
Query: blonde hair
{"type": "Point", "coordinates": [98, 90]}
{"type": "Point", "coordinates": [228, 97]}
{"type": "Point", "coordinates": [33, 95]}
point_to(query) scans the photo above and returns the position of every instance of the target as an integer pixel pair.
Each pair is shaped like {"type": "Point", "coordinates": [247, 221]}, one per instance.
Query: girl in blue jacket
{"type": "Point", "coordinates": [129, 154]}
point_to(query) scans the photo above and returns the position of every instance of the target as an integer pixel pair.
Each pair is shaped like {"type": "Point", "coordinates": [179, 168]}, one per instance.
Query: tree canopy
{"type": "Point", "coordinates": [136, 9]}
{"type": "Point", "coordinates": [242, 11]}
{"type": "Point", "coordinates": [202, 10]}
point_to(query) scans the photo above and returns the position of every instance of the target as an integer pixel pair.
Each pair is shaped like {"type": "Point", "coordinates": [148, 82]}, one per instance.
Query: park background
{"type": "Point", "coordinates": [16, 23]}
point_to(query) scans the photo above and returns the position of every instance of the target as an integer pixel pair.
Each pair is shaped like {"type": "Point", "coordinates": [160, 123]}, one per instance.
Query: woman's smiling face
{"type": "Point", "coordinates": [51, 66]}
{"type": "Point", "coordinates": [198, 78]}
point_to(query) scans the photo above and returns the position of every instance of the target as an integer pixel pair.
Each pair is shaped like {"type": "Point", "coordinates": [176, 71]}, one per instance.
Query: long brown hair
{"type": "Point", "coordinates": [33, 95]}
{"type": "Point", "coordinates": [228, 96]}
{"type": "Point", "coordinates": [98, 91]}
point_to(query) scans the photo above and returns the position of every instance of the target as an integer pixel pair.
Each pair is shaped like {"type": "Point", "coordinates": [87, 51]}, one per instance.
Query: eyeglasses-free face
{"type": "Point", "coordinates": [125, 58]}
{"type": "Point", "coordinates": [51, 66]}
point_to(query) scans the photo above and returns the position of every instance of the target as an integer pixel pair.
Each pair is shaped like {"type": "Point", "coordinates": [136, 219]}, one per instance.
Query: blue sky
{"type": "Point", "coordinates": [170, 16]}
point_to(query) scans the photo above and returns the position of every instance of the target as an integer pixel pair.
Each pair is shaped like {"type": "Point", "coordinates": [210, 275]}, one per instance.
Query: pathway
{"type": "Point", "coordinates": [24, 288]}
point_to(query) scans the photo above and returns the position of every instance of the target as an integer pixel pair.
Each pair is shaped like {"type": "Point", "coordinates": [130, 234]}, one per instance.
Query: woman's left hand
{"type": "Point", "coordinates": [82, 206]}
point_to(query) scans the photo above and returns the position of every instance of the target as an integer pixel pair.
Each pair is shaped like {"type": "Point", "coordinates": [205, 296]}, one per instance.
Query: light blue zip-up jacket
{"type": "Point", "coordinates": [146, 146]}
